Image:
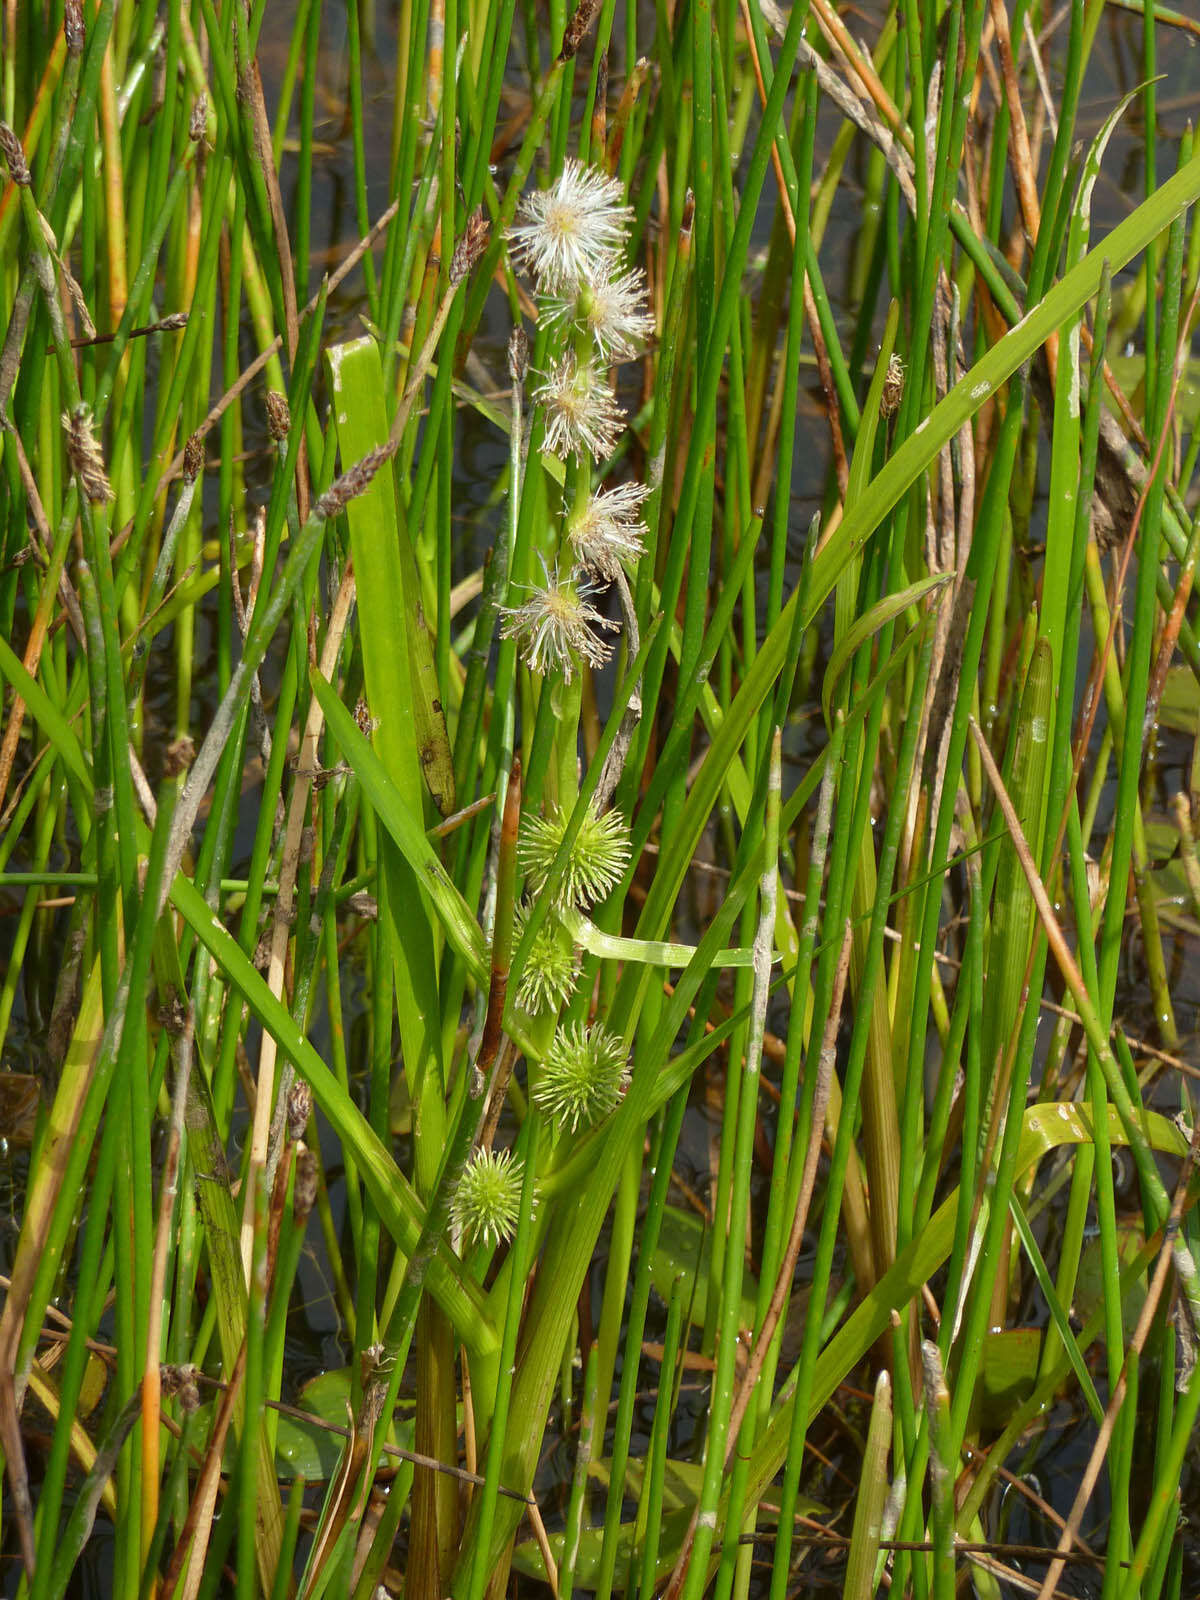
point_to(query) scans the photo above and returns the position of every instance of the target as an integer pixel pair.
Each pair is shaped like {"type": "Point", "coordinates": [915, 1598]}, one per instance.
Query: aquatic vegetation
{"type": "Point", "coordinates": [631, 898]}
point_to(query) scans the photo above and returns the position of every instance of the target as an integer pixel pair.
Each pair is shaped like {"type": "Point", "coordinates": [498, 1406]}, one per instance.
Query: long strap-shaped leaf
{"type": "Point", "coordinates": [649, 952]}
{"type": "Point", "coordinates": [398, 655]}
{"type": "Point", "coordinates": [405, 828]}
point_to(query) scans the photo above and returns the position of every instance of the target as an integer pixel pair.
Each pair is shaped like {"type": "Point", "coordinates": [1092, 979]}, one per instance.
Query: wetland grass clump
{"type": "Point", "coordinates": [561, 1031]}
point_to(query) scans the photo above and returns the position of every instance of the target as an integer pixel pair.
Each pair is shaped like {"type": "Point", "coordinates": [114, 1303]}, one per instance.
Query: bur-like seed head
{"type": "Point", "coordinates": [576, 30]}
{"type": "Point", "coordinates": [304, 1191]}
{"type": "Point", "coordinates": [299, 1109]}
{"type": "Point", "coordinates": [73, 27]}
{"type": "Point", "coordinates": [182, 1383]}
{"type": "Point", "coordinates": [567, 233]}
{"type": "Point", "coordinates": [487, 1202]}
{"type": "Point", "coordinates": [596, 861]}
{"type": "Point", "coordinates": [555, 625]}
{"type": "Point", "coordinates": [352, 482]}
{"type": "Point", "coordinates": [582, 417]}
{"type": "Point", "coordinates": [548, 977]}
{"type": "Point", "coordinates": [518, 355]}
{"type": "Point", "coordinates": [607, 531]}
{"type": "Point", "coordinates": [179, 756]}
{"type": "Point", "coordinates": [198, 121]}
{"type": "Point", "coordinates": [583, 1077]}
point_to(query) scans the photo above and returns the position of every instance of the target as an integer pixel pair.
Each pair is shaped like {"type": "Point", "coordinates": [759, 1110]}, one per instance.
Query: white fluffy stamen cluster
{"type": "Point", "coordinates": [569, 233]}
{"type": "Point", "coordinates": [571, 238]}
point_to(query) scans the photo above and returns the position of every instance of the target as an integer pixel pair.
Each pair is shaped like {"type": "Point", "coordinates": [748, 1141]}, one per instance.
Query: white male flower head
{"type": "Point", "coordinates": [582, 417]}
{"type": "Point", "coordinates": [607, 531]}
{"type": "Point", "coordinates": [564, 234]}
{"type": "Point", "coordinates": [556, 624]}
{"type": "Point", "coordinates": [611, 306]}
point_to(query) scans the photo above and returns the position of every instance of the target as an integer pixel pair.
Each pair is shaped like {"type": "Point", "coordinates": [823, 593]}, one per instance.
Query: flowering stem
{"type": "Point", "coordinates": [614, 766]}
{"type": "Point", "coordinates": [506, 708]}
{"type": "Point", "coordinates": [566, 702]}
{"type": "Point", "coordinates": [502, 932]}
{"type": "Point", "coordinates": [462, 1137]}
{"type": "Point", "coordinates": [481, 1566]}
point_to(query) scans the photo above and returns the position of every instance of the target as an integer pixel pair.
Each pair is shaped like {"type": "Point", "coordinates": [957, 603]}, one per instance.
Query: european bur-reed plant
{"type": "Point", "coordinates": [622, 1001]}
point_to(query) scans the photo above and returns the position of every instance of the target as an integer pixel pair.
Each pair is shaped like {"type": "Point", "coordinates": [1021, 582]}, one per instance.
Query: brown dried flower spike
{"type": "Point", "coordinates": [353, 482]}
{"type": "Point", "coordinates": [83, 453]}
{"type": "Point", "coordinates": [470, 246]}
{"type": "Point", "coordinates": [14, 156]}
{"type": "Point", "coordinates": [279, 417]}
{"type": "Point", "coordinates": [893, 387]}
{"type": "Point", "coordinates": [193, 458]}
